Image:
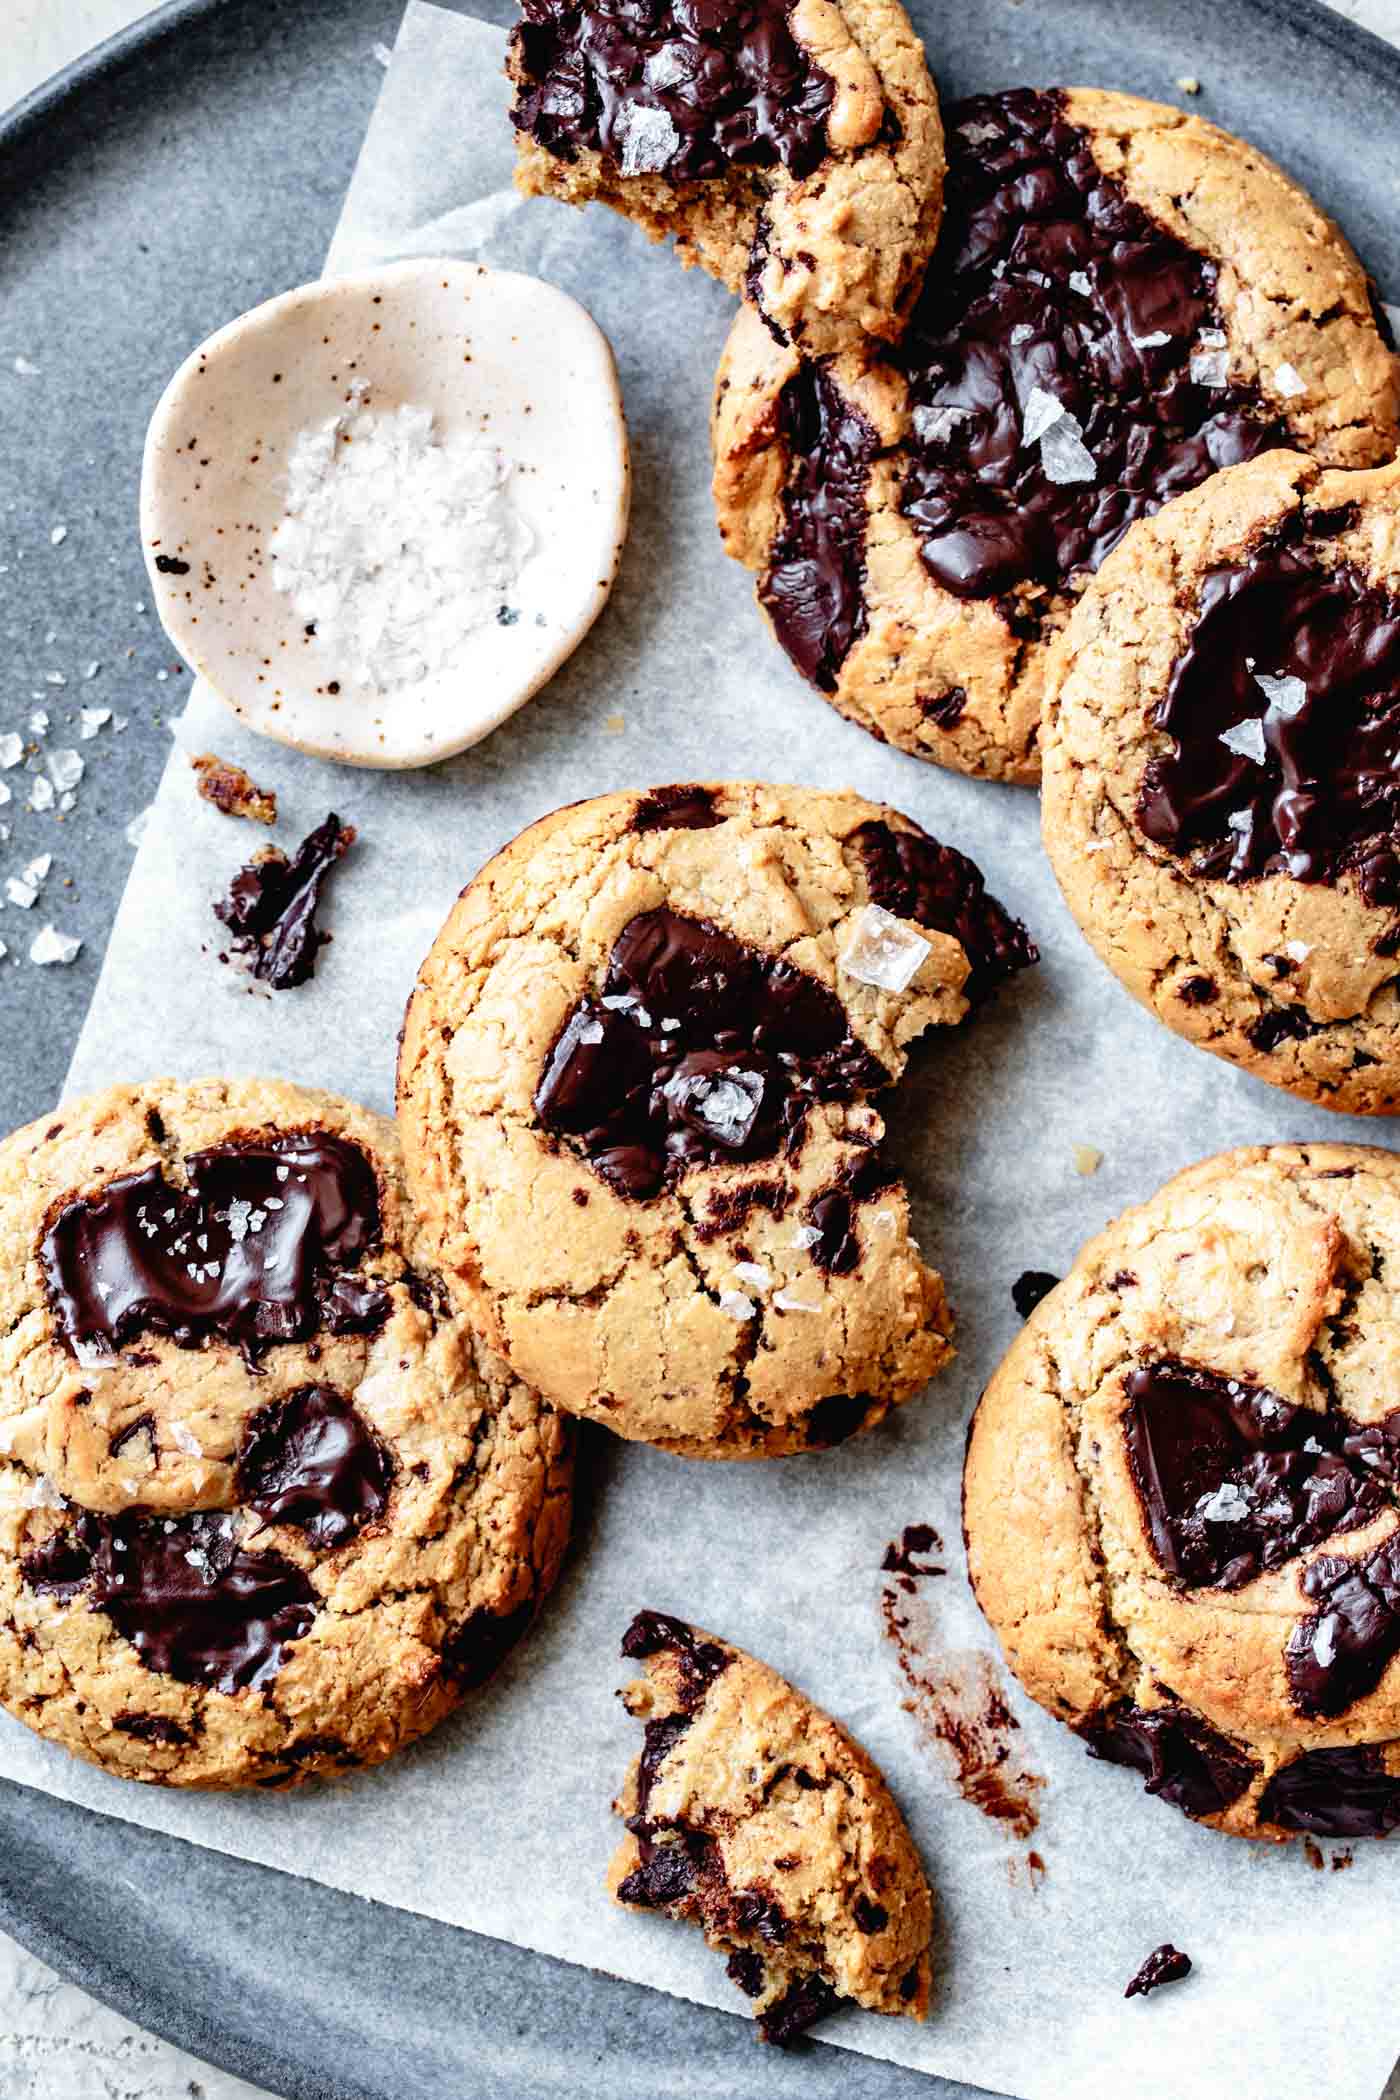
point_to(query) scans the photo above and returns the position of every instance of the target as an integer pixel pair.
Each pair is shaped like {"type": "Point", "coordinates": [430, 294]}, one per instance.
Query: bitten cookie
{"type": "Point", "coordinates": [1222, 782]}
{"type": "Point", "coordinates": [755, 1816]}
{"type": "Point", "coordinates": [635, 1094]}
{"type": "Point", "coordinates": [1180, 1493]}
{"type": "Point", "coordinates": [1123, 300]}
{"type": "Point", "coordinates": [267, 1509]}
{"type": "Point", "coordinates": [791, 147]}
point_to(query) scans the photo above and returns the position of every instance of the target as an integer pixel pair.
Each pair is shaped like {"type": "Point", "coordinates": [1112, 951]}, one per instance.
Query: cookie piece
{"type": "Point", "coordinates": [791, 147]}
{"type": "Point", "coordinates": [635, 1095]}
{"type": "Point", "coordinates": [1123, 300]}
{"type": "Point", "coordinates": [1222, 785]}
{"type": "Point", "coordinates": [267, 1508]}
{"type": "Point", "coordinates": [1180, 1497]}
{"type": "Point", "coordinates": [755, 1816]}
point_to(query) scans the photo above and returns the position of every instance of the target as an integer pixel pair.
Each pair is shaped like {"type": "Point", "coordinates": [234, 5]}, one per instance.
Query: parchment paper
{"type": "Point", "coordinates": [500, 1821]}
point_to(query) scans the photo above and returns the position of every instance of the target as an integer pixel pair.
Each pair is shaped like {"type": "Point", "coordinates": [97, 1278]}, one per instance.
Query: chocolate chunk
{"type": "Point", "coordinates": [683, 91]}
{"type": "Point", "coordinates": [745, 1967]}
{"type": "Point", "coordinates": [814, 587]}
{"type": "Point", "coordinates": [668, 1871]}
{"type": "Point", "coordinates": [870, 1917]}
{"type": "Point", "coordinates": [699, 1049]}
{"type": "Point", "coordinates": [1233, 1479]}
{"type": "Point", "coordinates": [946, 710]}
{"type": "Point", "coordinates": [1165, 1964]}
{"type": "Point", "coordinates": [914, 877]}
{"type": "Point", "coordinates": [252, 1249]}
{"type": "Point", "coordinates": [700, 1661]}
{"type": "Point", "coordinates": [194, 1603]}
{"type": "Point", "coordinates": [807, 2000]}
{"type": "Point", "coordinates": [272, 904]}
{"type": "Point", "coordinates": [153, 1728]}
{"type": "Point", "coordinates": [1340, 1793]}
{"type": "Point", "coordinates": [835, 1419]}
{"type": "Point", "coordinates": [232, 790]}
{"type": "Point", "coordinates": [1029, 1288]}
{"type": "Point", "coordinates": [1340, 1652]}
{"type": "Point", "coordinates": [832, 1213]}
{"type": "Point", "coordinates": [59, 1568]}
{"type": "Point", "coordinates": [1048, 277]}
{"type": "Point", "coordinates": [311, 1460]}
{"type": "Point", "coordinates": [1181, 1756]}
{"type": "Point", "coordinates": [1297, 660]}
{"type": "Point", "coordinates": [481, 1644]}
{"type": "Point", "coordinates": [676, 809]}
{"type": "Point", "coordinates": [758, 1910]}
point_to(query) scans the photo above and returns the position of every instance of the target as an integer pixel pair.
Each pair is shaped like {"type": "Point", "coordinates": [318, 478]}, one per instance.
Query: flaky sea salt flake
{"type": "Point", "coordinates": [1064, 455]}
{"type": "Point", "coordinates": [934, 426]}
{"type": "Point", "coordinates": [66, 769]}
{"type": "Point", "coordinates": [51, 946]}
{"type": "Point", "coordinates": [1287, 697]}
{"type": "Point", "coordinates": [755, 1274]}
{"type": "Point", "coordinates": [41, 794]}
{"type": "Point", "coordinates": [1246, 738]}
{"type": "Point", "coordinates": [11, 749]}
{"type": "Point", "coordinates": [737, 1305]}
{"type": "Point", "coordinates": [883, 951]}
{"type": "Point", "coordinates": [1042, 411]}
{"type": "Point", "coordinates": [649, 139]}
{"type": "Point", "coordinates": [1290, 382]}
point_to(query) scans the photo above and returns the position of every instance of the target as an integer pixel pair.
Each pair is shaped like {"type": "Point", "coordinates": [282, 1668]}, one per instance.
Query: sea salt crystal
{"type": "Point", "coordinates": [806, 1236]}
{"type": "Point", "coordinates": [1228, 1505]}
{"type": "Point", "coordinates": [883, 952]}
{"type": "Point", "coordinates": [648, 139]}
{"type": "Point", "coordinates": [39, 722]}
{"type": "Point", "coordinates": [1297, 951]}
{"type": "Point", "coordinates": [627, 1003]}
{"type": "Point", "coordinates": [1324, 1644]}
{"type": "Point", "coordinates": [1247, 738]}
{"type": "Point", "coordinates": [93, 719]}
{"type": "Point", "coordinates": [239, 1213]}
{"type": "Point", "coordinates": [66, 769]}
{"type": "Point", "coordinates": [1079, 282]}
{"type": "Point", "coordinates": [1041, 411]}
{"type": "Point", "coordinates": [1158, 340]}
{"type": "Point", "coordinates": [398, 544]}
{"type": "Point", "coordinates": [184, 1439]}
{"type": "Point", "coordinates": [754, 1273]}
{"type": "Point", "coordinates": [1290, 382]}
{"type": "Point", "coordinates": [20, 892]}
{"type": "Point", "coordinates": [978, 132]}
{"type": "Point", "coordinates": [11, 749]}
{"type": "Point", "coordinates": [54, 678]}
{"type": "Point", "coordinates": [58, 535]}
{"type": "Point", "coordinates": [41, 794]}
{"type": "Point", "coordinates": [786, 1302]}
{"type": "Point", "coordinates": [934, 426]}
{"type": "Point", "coordinates": [26, 369]}
{"type": "Point", "coordinates": [589, 1032]}
{"type": "Point", "coordinates": [1210, 360]}
{"type": "Point", "coordinates": [1287, 697]}
{"type": "Point", "coordinates": [729, 1104]}
{"type": "Point", "coordinates": [51, 946]}
{"type": "Point", "coordinates": [1065, 456]}
{"type": "Point", "coordinates": [737, 1305]}
{"type": "Point", "coordinates": [43, 1494]}
{"type": "Point", "coordinates": [92, 670]}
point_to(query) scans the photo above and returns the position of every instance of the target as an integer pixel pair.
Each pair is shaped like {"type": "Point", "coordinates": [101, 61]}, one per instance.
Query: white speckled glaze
{"type": "Point", "coordinates": [490, 352]}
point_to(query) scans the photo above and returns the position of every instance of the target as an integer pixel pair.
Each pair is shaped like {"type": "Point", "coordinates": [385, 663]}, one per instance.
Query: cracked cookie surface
{"type": "Point", "coordinates": [267, 1507]}
{"type": "Point", "coordinates": [1180, 1497]}
{"type": "Point", "coordinates": [793, 150]}
{"type": "Point", "coordinates": [1221, 805]}
{"type": "Point", "coordinates": [634, 1091]}
{"type": "Point", "coordinates": [1124, 299]}
{"type": "Point", "coordinates": [754, 1815]}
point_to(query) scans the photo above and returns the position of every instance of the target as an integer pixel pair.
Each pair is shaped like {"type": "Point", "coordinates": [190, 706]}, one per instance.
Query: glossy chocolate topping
{"type": "Point", "coordinates": [1340, 1652]}
{"type": "Point", "coordinates": [1233, 1479]}
{"type": "Point", "coordinates": [686, 808]}
{"type": "Point", "coordinates": [814, 588]}
{"type": "Point", "coordinates": [1180, 1755]}
{"type": "Point", "coordinates": [271, 906]}
{"type": "Point", "coordinates": [685, 89]}
{"type": "Point", "coordinates": [194, 1603]}
{"type": "Point", "coordinates": [1340, 1793]}
{"type": "Point", "coordinates": [253, 1249]}
{"type": "Point", "coordinates": [311, 1460]}
{"type": "Point", "coordinates": [914, 877]}
{"type": "Point", "coordinates": [1284, 715]}
{"type": "Point", "coordinates": [1049, 280]}
{"type": "Point", "coordinates": [699, 1049]}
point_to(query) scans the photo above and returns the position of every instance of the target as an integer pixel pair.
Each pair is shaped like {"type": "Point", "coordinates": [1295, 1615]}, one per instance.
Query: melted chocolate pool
{"type": "Point", "coordinates": [1179, 1754]}
{"type": "Point", "coordinates": [1297, 663]}
{"type": "Point", "coordinates": [685, 90]}
{"type": "Point", "coordinates": [254, 1250]}
{"type": "Point", "coordinates": [1339, 1793]}
{"type": "Point", "coordinates": [1047, 279]}
{"type": "Point", "coordinates": [312, 1460]}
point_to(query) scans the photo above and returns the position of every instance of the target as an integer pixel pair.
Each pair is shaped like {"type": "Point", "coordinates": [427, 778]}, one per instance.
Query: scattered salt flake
{"type": "Point", "coordinates": [58, 535]}
{"type": "Point", "coordinates": [590, 1032]}
{"type": "Point", "coordinates": [934, 426]}
{"type": "Point", "coordinates": [67, 802]}
{"type": "Point", "coordinates": [1087, 1159]}
{"type": "Point", "coordinates": [1290, 382]}
{"type": "Point", "coordinates": [649, 140]}
{"type": "Point", "coordinates": [883, 1224]}
{"type": "Point", "coordinates": [737, 1305]}
{"type": "Point", "coordinates": [39, 869]}
{"type": "Point", "coordinates": [978, 132]}
{"type": "Point", "coordinates": [1297, 951]}
{"type": "Point", "coordinates": [93, 719]}
{"type": "Point", "coordinates": [884, 952]}
{"type": "Point", "coordinates": [5, 794]}
{"type": "Point", "coordinates": [1210, 367]}
{"type": "Point", "coordinates": [43, 1494]}
{"type": "Point", "coordinates": [92, 669]}
{"type": "Point", "coordinates": [1189, 84]}
{"type": "Point", "coordinates": [119, 722]}
{"type": "Point", "coordinates": [1287, 697]}
{"type": "Point", "coordinates": [39, 722]}
{"type": "Point", "coordinates": [66, 769]}
{"type": "Point", "coordinates": [806, 1236]}
{"type": "Point", "coordinates": [786, 1302]}
{"type": "Point", "coordinates": [1324, 1643]}
{"type": "Point", "coordinates": [11, 749]}
{"type": "Point", "coordinates": [26, 368]}
{"type": "Point", "coordinates": [24, 894]}
{"type": "Point", "coordinates": [184, 1439]}
{"type": "Point", "coordinates": [754, 1273]}
{"type": "Point", "coordinates": [1041, 412]}
{"type": "Point", "coordinates": [1097, 845]}
{"type": "Point", "coordinates": [1158, 340]}
{"type": "Point", "coordinates": [1079, 281]}
{"type": "Point", "coordinates": [51, 946]}
{"type": "Point", "coordinates": [136, 829]}
{"type": "Point", "coordinates": [1228, 1505]}
{"type": "Point", "coordinates": [41, 794]}
{"type": "Point", "coordinates": [54, 678]}
{"type": "Point", "coordinates": [1064, 455]}
{"type": "Point", "coordinates": [1246, 738]}
{"type": "Point", "coordinates": [4, 951]}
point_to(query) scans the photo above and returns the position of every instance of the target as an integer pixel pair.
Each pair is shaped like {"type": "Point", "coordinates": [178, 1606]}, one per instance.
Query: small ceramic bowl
{"type": "Point", "coordinates": [492, 353]}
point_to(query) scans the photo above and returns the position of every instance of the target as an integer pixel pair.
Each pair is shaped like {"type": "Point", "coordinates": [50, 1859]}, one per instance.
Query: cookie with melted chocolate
{"type": "Point", "coordinates": [790, 147]}
{"type": "Point", "coordinates": [755, 1816]}
{"type": "Point", "coordinates": [1182, 1494]}
{"type": "Point", "coordinates": [637, 1089]}
{"type": "Point", "coordinates": [1222, 784]}
{"type": "Point", "coordinates": [271, 1508]}
{"type": "Point", "coordinates": [1124, 300]}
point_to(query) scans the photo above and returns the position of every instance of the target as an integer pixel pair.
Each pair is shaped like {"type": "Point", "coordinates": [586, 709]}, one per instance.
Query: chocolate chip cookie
{"type": "Point", "coordinates": [1181, 1494]}
{"type": "Point", "coordinates": [755, 1816]}
{"type": "Point", "coordinates": [791, 147]}
{"type": "Point", "coordinates": [1222, 783]}
{"type": "Point", "coordinates": [267, 1509]}
{"type": "Point", "coordinates": [1123, 300]}
{"type": "Point", "coordinates": [635, 1092]}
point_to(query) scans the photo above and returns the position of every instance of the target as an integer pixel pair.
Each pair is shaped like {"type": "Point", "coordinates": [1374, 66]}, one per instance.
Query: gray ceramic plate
{"type": "Point", "coordinates": [189, 169]}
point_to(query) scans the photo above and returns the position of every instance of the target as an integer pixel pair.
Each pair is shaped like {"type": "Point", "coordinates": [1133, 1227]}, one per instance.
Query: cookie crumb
{"type": "Point", "coordinates": [1189, 84]}
{"type": "Point", "coordinates": [1165, 1964]}
{"type": "Point", "coordinates": [614, 725]}
{"type": "Point", "coordinates": [231, 790]}
{"type": "Point", "coordinates": [1087, 1159]}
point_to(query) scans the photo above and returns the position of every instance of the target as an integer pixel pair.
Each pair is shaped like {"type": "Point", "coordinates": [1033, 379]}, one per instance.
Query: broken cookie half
{"type": "Point", "coordinates": [754, 1815]}
{"type": "Point", "coordinates": [793, 150]}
